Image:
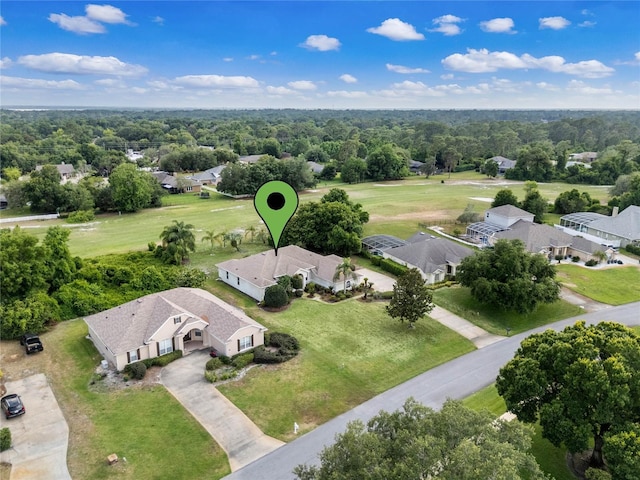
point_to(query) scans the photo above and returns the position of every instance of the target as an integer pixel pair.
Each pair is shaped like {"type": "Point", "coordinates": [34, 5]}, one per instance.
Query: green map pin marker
{"type": "Point", "coordinates": [276, 202]}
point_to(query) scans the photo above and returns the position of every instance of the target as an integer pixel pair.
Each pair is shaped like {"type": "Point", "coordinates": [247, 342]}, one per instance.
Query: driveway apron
{"type": "Point", "coordinates": [238, 436]}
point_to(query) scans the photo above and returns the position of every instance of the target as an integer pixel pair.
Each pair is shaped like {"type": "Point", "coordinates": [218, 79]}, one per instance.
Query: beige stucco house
{"type": "Point", "coordinates": [252, 275]}
{"type": "Point", "coordinates": [184, 319]}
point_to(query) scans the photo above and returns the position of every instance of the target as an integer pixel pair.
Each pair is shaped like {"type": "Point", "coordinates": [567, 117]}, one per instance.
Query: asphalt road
{"type": "Point", "coordinates": [455, 379]}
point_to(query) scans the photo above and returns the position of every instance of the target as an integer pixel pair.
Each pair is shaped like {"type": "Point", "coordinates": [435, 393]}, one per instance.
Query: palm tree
{"type": "Point", "coordinates": [251, 230]}
{"type": "Point", "coordinates": [222, 238]}
{"type": "Point", "coordinates": [600, 255]}
{"type": "Point", "coordinates": [346, 270]}
{"type": "Point", "coordinates": [179, 239]}
{"type": "Point", "coordinates": [209, 236]}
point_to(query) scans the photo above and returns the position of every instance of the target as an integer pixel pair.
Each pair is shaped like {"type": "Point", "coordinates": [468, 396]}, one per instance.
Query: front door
{"type": "Point", "coordinates": [187, 337]}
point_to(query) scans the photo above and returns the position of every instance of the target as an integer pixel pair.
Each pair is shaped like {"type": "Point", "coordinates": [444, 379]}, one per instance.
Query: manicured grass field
{"type": "Point", "coordinates": [486, 399]}
{"type": "Point", "coordinates": [614, 286]}
{"type": "Point", "coordinates": [459, 301]}
{"type": "Point", "coordinates": [139, 423]}
{"type": "Point", "coordinates": [351, 351]}
{"type": "Point", "coordinates": [395, 208]}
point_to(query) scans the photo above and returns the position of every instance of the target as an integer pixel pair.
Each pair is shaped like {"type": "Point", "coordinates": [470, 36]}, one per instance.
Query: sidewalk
{"type": "Point", "coordinates": [479, 337]}
{"type": "Point", "coordinates": [238, 436]}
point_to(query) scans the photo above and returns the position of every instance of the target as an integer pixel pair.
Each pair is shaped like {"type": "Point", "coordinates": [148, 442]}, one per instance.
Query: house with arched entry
{"type": "Point", "coordinates": [184, 319]}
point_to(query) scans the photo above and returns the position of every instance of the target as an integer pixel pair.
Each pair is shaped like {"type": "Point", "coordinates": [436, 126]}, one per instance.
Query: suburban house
{"type": "Point", "coordinates": [583, 157]}
{"type": "Point", "coordinates": [3, 202]}
{"type": "Point", "coordinates": [511, 223]}
{"type": "Point", "coordinates": [65, 170]}
{"type": "Point", "coordinates": [315, 167]}
{"type": "Point", "coordinates": [250, 158]}
{"type": "Point", "coordinates": [252, 275]}
{"type": "Point", "coordinates": [415, 166]}
{"type": "Point", "coordinates": [436, 258]}
{"type": "Point", "coordinates": [618, 230]}
{"type": "Point", "coordinates": [504, 163]}
{"type": "Point", "coordinates": [174, 184]}
{"type": "Point", "coordinates": [496, 220]}
{"type": "Point", "coordinates": [550, 241]}
{"type": "Point", "coordinates": [208, 177]}
{"type": "Point", "coordinates": [184, 319]}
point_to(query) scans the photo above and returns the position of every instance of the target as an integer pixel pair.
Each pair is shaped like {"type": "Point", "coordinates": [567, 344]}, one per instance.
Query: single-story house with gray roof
{"type": "Point", "coordinates": [436, 258]}
{"type": "Point", "coordinates": [252, 275]}
{"type": "Point", "coordinates": [504, 163]}
{"type": "Point", "coordinates": [618, 230]}
{"type": "Point", "coordinates": [210, 176]}
{"type": "Point", "coordinates": [184, 319]}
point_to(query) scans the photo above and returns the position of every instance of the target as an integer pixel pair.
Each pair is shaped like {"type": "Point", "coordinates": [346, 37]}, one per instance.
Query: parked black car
{"type": "Point", "coordinates": [12, 406]}
{"type": "Point", "coordinates": [31, 343]}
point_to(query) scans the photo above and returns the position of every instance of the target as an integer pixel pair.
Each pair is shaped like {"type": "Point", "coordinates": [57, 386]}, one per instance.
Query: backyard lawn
{"type": "Point", "coordinates": [614, 286]}
{"type": "Point", "coordinates": [460, 301]}
{"type": "Point", "coordinates": [351, 351]}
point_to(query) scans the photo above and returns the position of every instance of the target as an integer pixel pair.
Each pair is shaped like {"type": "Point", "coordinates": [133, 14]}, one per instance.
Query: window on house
{"type": "Point", "coordinates": [227, 275]}
{"type": "Point", "coordinates": [165, 346]}
{"type": "Point", "coordinates": [238, 280]}
{"type": "Point", "coordinates": [245, 342]}
{"type": "Point", "coordinates": [177, 319]}
{"type": "Point", "coordinates": [133, 356]}
{"type": "Point", "coordinates": [198, 333]}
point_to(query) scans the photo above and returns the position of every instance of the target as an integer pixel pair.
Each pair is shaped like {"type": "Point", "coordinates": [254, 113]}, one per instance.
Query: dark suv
{"type": "Point", "coordinates": [12, 406]}
{"type": "Point", "coordinates": [31, 343]}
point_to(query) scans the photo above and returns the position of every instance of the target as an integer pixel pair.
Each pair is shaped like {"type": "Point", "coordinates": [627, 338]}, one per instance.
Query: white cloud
{"type": "Point", "coordinates": [637, 56]}
{"type": "Point", "coordinates": [347, 94]}
{"type": "Point", "coordinates": [396, 29]}
{"type": "Point", "coordinates": [217, 81]}
{"type": "Point", "coordinates": [447, 76]}
{"type": "Point", "coordinates": [403, 69]}
{"type": "Point", "coordinates": [254, 57]}
{"type": "Point", "coordinates": [482, 61]}
{"type": "Point", "coordinates": [322, 43]}
{"type": "Point", "coordinates": [17, 82]}
{"type": "Point", "coordinates": [554, 23]}
{"type": "Point", "coordinates": [577, 86]}
{"type": "Point", "coordinates": [79, 25]}
{"type": "Point", "coordinates": [162, 85]}
{"type": "Point", "coordinates": [227, 59]}
{"type": "Point", "coordinates": [138, 90]}
{"type": "Point", "coordinates": [587, 13]}
{"type": "Point", "coordinates": [106, 14]}
{"type": "Point", "coordinates": [6, 62]}
{"type": "Point", "coordinates": [274, 53]}
{"type": "Point", "coordinates": [587, 24]}
{"type": "Point", "coordinates": [547, 86]}
{"type": "Point", "coordinates": [303, 85]}
{"type": "Point", "coordinates": [498, 25]}
{"type": "Point", "coordinates": [2, 21]}
{"type": "Point", "coordinates": [346, 78]}
{"type": "Point", "coordinates": [281, 91]}
{"type": "Point", "coordinates": [111, 83]}
{"type": "Point", "coordinates": [447, 24]}
{"type": "Point", "coordinates": [158, 19]}
{"type": "Point", "coordinates": [81, 64]}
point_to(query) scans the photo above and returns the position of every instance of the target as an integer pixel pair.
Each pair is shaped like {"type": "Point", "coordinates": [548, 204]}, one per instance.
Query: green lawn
{"type": "Point", "coordinates": [550, 458]}
{"type": "Point", "coordinates": [459, 301]}
{"type": "Point", "coordinates": [395, 208]}
{"type": "Point", "coordinates": [136, 423]}
{"type": "Point", "coordinates": [351, 351]}
{"type": "Point", "coordinates": [613, 286]}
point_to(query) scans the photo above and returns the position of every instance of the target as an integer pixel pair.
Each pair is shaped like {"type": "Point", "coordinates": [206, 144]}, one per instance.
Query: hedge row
{"type": "Point", "coordinates": [162, 360]}
{"type": "Point", "coordinates": [389, 265]}
{"type": "Point", "coordinates": [635, 249]}
{"type": "Point", "coordinates": [5, 439]}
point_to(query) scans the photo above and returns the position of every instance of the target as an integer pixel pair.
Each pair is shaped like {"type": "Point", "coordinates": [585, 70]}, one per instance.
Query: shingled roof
{"type": "Point", "coordinates": [431, 254]}
{"type": "Point", "coordinates": [130, 325]}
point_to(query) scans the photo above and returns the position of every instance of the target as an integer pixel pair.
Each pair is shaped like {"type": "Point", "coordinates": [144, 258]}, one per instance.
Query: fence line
{"type": "Point", "coordinates": [51, 216]}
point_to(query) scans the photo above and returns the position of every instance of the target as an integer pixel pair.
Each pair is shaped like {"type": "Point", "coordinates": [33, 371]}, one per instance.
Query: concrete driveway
{"type": "Point", "coordinates": [238, 436]}
{"type": "Point", "coordinates": [381, 283]}
{"type": "Point", "coordinates": [40, 436]}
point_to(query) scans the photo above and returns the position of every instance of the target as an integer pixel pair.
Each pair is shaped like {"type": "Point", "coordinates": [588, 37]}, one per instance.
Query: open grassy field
{"type": "Point", "coordinates": [351, 351]}
{"type": "Point", "coordinates": [459, 301]}
{"type": "Point", "coordinates": [613, 286]}
{"type": "Point", "coordinates": [136, 422]}
{"type": "Point", "coordinates": [395, 208]}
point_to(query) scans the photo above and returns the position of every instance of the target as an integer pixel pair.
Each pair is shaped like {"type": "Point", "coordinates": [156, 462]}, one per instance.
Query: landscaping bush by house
{"type": "Point", "coordinates": [241, 361]}
{"type": "Point", "coordinates": [575, 259]}
{"type": "Point", "coordinates": [296, 281]}
{"type": "Point", "coordinates": [635, 249]}
{"type": "Point", "coordinates": [213, 364]}
{"type": "Point", "coordinates": [5, 439]}
{"type": "Point", "coordinates": [162, 360]}
{"type": "Point", "coordinates": [591, 263]}
{"type": "Point", "coordinates": [287, 348]}
{"type": "Point", "coordinates": [275, 297]}
{"type": "Point", "coordinates": [136, 370]}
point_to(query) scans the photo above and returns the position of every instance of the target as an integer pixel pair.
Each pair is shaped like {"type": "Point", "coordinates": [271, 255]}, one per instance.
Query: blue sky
{"type": "Point", "coordinates": [331, 54]}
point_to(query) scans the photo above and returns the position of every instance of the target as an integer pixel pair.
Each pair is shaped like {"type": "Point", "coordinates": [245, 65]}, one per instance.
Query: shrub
{"type": "Point", "coordinates": [224, 359]}
{"type": "Point", "coordinates": [275, 296]}
{"type": "Point", "coordinates": [559, 257]}
{"type": "Point", "coordinates": [296, 281]}
{"type": "Point", "coordinates": [137, 370]}
{"type": "Point", "coordinates": [591, 263]}
{"type": "Point", "coordinates": [392, 267]}
{"type": "Point", "coordinates": [241, 361]}
{"type": "Point", "coordinates": [151, 246]}
{"type": "Point", "coordinates": [163, 360]}
{"type": "Point", "coordinates": [211, 376]}
{"type": "Point", "coordinates": [299, 293]}
{"type": "Point", "coordinates": [5, 439]}
{"type": "Point", "coordinates": [284, 340]}
{"type": "Point", "coordinates": [631, 248]}
{"type": "Point", "coordinates": [575, 259]}
{"type": "Point", "coordinates": [213, 364]}
{"type": "Point", "coordinates": [81, 216]}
